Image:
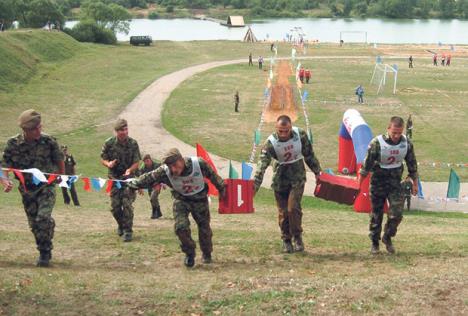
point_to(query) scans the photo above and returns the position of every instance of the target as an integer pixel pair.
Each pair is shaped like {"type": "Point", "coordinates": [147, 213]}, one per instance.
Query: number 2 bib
{"type": "Point", "coordinates": [289, 151]}
{"type": "Point", "coordinates": [188, 185]}
{"type": "Point", "coordinates": [391, 156]}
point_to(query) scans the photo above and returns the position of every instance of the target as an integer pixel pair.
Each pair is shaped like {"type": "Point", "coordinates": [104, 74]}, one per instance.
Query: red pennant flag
{"type": "Point", "coordinates": [87, 184]}
{"type": "Point", "coordinates": [109, 186]}
{"type": "Point", "coordinates": [202, 153]}
{"type": "Point", "coordinates": [20, 176]}
{"type": "Point", "coordinates": [52, 178]}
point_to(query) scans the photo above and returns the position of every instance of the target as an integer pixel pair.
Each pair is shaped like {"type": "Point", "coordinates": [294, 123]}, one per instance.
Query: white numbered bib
{"type": "Point", "coordinates": [189, 185]}
{"type": "Point", "coordinates": [392, 156]}
{"type": "Point", "coordinates": [289, 151]}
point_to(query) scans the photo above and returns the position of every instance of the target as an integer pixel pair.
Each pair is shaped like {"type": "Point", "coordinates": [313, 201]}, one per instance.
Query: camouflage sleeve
{"type": "Point", "coordinates": [411, 162]}
{"type": "Point", "coordinates": [7, 161]}
{"type": "Point", "coordinates": [105, 151]}
{"type": "Point", "coordinates": [209, 173]}
{"type": "Point", "coordinates": [136, 153]}
{"type": "Point", "coordinates": [149, 179]}
{"type": "Point", "coordinates": [308, 153]}
{"type": "Point", "coordinates": [372, 157]}
{"type": "Point", "coordinates": [56, 155]}
{"type": "Point", "coordinates": [73, 160]}
{"type": "Point", "coordinates": [263, 163]}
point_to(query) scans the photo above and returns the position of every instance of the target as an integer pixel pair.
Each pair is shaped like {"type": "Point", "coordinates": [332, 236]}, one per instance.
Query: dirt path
{"type": "Point", "coordinates": [144, 118]}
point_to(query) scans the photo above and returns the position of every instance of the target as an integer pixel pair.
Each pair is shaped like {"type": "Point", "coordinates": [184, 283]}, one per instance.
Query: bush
{"type": "Point", "coordinates": [153, 15]}
{"type": "Point", "coordinates": [170, 9]}
{"type": "Point", "coordinates": [89, 31]}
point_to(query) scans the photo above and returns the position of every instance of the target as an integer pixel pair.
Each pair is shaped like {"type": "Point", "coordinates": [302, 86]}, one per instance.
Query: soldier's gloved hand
{"type": "Point", "coordinates": [222, 194]}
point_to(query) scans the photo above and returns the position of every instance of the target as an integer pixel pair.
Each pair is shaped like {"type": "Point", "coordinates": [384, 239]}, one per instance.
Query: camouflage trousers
{"type": "Point", "coordinates": [122, 207]}
{"type": "Point", "coordinates": [38, 206]}
{"type": "Point", "coordinates": [154, 199]}
{"type": "Point", "coordinates": [201, 214]}
{"type": "Point", "coordinates": [290, 211]}
{"type": "Point", "coordinates": [382, 189]}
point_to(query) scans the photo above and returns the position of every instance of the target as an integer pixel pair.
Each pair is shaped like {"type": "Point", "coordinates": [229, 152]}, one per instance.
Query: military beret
{"type": "Point", "coordinates": [171, 156]}
{"type": "Point", "coordinates": [29, 119]}
{"type": "Point", "coordinates": [147, 156]}
{"type": "Point", "coordinates": [121, 123]}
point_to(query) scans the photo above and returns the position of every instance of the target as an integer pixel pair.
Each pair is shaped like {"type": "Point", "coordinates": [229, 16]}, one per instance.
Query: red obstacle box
{"type": "Point", "coordinates": [337, 188]}
{"type": "Point", "coordinates": [238, 198]}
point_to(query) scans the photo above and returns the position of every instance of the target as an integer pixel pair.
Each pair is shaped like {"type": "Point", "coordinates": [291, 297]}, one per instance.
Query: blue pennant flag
{"type": "Point", "coordinates": [35, 180]}
{"type": "Point", "coordinates": [72, 179]}
{"type": "Point", "coordinates": [304, 96]}
{"type": "Point", "coordinates": [117, 184]}
{"type": "Point", "coordinates": [329, 171]}
{"type": "Point", "coordinates": [95, 183]}
{"type": "Point", "coordinates": [246, 171]}
{"type": "Point", "coordinates": [266, 92]}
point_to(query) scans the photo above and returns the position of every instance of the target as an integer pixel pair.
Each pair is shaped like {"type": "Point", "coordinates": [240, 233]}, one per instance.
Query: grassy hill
{"type": "Point", "coordinates": [80, 90]}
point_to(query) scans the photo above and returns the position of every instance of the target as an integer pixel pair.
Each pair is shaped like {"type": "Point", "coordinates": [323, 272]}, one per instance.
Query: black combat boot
{"type": "Point", "coordinates": [156, 213]}
{"type": "Point", "coordinates": [44, 257]}
{"type": "Point", "coordinates": [189, 260]}
{"type": "Point", "coordinates": [298, 244]}
{"type": "Point", "coordinates": [120, 231]}
{"type": "Point", "coordinates": [287, 246]}
{"type": "Point", "coordinates": [375, 247]}
{"type": "Point", "coordinates": [127, 237]}
{"type": "Point", "coordinates": [387, 240]}
{"type": "Point", "coordinates": [207, 258]}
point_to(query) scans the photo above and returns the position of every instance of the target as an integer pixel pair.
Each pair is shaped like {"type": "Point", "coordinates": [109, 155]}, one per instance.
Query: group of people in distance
{"type": "Point", "coordinates": [289, 147]}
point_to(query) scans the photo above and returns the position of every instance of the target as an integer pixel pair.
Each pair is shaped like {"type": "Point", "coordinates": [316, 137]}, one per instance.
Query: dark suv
{"type": "Point", "coordinates": [137, 40]}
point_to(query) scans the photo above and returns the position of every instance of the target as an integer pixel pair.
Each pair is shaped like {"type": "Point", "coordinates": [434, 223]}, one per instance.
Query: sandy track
{"type": "Point", "coordinates": [144, 118]}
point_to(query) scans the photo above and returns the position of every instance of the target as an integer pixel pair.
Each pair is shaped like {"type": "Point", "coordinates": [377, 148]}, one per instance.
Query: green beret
{"type": "Point", "coordinates": [171, 156]}
{"type": "Point", "coordinates": [29, 119]}
{"type": "Point", "coordinates": [121, 123]}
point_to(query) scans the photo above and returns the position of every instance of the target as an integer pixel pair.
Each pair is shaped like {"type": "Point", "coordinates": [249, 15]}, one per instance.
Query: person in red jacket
{"type": "Point", "coordinates": [301, 74]}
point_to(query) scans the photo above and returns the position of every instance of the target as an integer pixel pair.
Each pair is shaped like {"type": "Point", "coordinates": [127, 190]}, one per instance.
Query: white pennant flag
{"type": "Point", "coordinates": [64, 182]}
{"type": "Point", "coordinates": [37, 174]}
{"type": "Point", "coordinates": [102, 182]}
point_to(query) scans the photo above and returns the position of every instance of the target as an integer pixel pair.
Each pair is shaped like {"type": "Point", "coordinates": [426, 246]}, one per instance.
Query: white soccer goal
{"type": "Point", "coordinates": [353, 36]}
{"type": "Point", "coordinates": [379, 76]}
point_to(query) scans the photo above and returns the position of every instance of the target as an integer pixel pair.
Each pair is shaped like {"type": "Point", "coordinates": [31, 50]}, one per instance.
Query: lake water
{"type": "Point", "coordinates": [324, 30]}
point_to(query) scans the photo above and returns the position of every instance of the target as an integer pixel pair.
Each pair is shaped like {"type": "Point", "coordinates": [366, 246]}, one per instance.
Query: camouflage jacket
{"type": "Point", "coordinates": [286, 175]}
{"type": "Point", "coordinates": [159, 176]}
{"type": "Point", "coordinates": [43, 154]}
{"type": "Point", "coordinates": [126, 154]}
{"type": "Point", "coordinates": [371, 162]}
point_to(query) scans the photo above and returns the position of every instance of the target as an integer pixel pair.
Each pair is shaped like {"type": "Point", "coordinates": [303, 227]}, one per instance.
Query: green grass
{"type": "Point", "coordinates": [79, 92]}
{"type": "Point", "coordinates": [435, 97]}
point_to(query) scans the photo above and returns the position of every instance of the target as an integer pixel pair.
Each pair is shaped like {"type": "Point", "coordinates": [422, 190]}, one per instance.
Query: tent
{"type": "Point", "coordinates": [250, 37]}
{"type": "Point", "coordinates": [234, 21]}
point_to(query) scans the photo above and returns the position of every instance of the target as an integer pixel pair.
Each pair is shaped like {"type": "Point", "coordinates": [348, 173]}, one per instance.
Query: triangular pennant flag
{"type": "Point", "coordinates": [453, 191]}
{"type": "Point", "coordinates": [35, 180]}
{"type": "Point", "coordinates": [20, 177]}
{"type": "Point", "coordinates": [118, 185]}
{"type": "Point", "coordinates": [87, 185]}
{"type": "Point", "coordinates": [109, 186]}
{"type": "Point", "coordinates": [52, 178]}
{"type": "Point", "coordinates": [246, 171]}
{"type": "Point", "coordinates": [265, 93]}
{"type": "Point", "coordinates": [257, 137]}
{"type": "Point", "coordinates": [232, 172]}
{"type": "Point", "coordinates": [102, 182]}
{"type": "Point", "coordinates": [64, 182]}
{"type": "Point", "coordinates": [95, 184]}
{"type": "Point", "coordinates": [329, 171]}
{"type": "Point", "coordinates": [420, 190]}
{"type": "Point", "coordinates": [201, 152]}
{"type": "Point", "coordinates": [38, 174]}
{"type": "Point", "coordinates": [72, 179]}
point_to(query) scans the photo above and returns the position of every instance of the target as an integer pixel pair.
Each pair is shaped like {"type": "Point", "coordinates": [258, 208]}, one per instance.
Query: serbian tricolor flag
{"type": "Point", "coordinates": [202, 153]}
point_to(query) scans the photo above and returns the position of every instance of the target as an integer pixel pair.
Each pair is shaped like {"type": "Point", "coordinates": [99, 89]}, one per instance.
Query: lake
{"type": "Point", "coordinates": [322, 29]}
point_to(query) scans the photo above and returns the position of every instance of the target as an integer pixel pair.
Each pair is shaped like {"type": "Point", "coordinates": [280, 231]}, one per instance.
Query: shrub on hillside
{"type": "Point", "coordinates": [153, 15]}
{"type": "Point", "coordinates": [90, 31]}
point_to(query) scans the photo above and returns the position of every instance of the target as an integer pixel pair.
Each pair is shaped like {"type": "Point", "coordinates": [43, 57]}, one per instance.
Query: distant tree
{"type": "Point", "coordinates": [41, 11]}
{"type": "Point", "coordinates": [112, 16]}
{"type": "Point", "coordinates": [447, 8]}
{"type": "Point", "coordinates": [462, 8]}
{"type": "Point", "coordinates": [398, 8]}
{"type": "Point", "coordinates": [361, 8]}
{"type": "Point", "coordinates": [348, 6]}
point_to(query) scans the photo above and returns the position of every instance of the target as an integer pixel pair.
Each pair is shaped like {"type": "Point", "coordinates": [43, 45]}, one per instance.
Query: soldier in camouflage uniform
{"type": "Point", "coordinates": [148, 166]}
{"type": "Point", "coordinates": [121, 155]}
{"type": "Point", "coordinates": [384, 159]}
{"type": "Point", "coordinates": [186, 178]}
{"type": "Point", "coordinates": [32, 149]}
{"type": "Point", "coordinates": [289, 147]}
{"type": "Point", "coordinates": [69, 170]}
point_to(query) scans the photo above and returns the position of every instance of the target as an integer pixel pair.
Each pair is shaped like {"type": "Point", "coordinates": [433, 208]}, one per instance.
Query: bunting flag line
{"type": "Point", "coordinates": [109, 186]}
{"type": "Point", "coordinates": [443, 164]}
{"type": "Point", "coordinates": [87, 184]}
{"type": "Point", "coordinates": [64, 182]}
{"type": "Point", "coordinates": [246, 171]}
{"type": "Point", "coordinates": [96, 184]}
